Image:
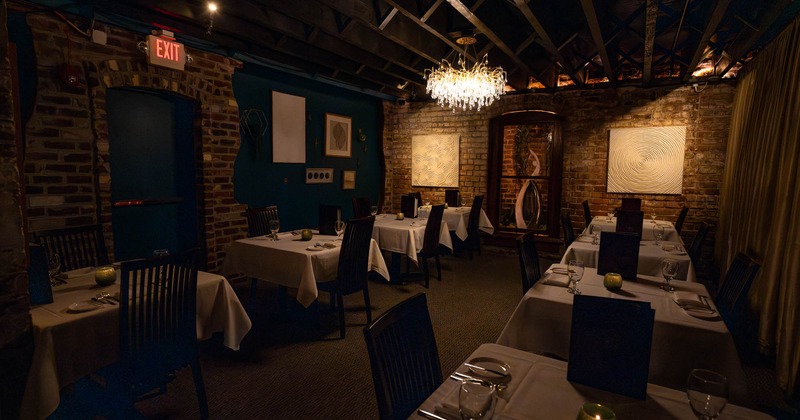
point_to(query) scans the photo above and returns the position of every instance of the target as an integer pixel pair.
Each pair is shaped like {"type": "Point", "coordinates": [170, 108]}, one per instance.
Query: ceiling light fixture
{"type": "Point", "coordinates": [212, 8]}
{"type": "Point", "coordinates": [464, 86]}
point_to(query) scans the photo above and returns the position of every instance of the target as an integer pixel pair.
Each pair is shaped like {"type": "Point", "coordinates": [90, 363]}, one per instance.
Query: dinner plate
{"type": "Point", "coordinates": [78, 307]}
{"type": "Point", "coordinates": [493, 369]}
{"type": "Point", "coordinates": [701, 313]}
{"type": "Point", "coordinates": [676, 253]}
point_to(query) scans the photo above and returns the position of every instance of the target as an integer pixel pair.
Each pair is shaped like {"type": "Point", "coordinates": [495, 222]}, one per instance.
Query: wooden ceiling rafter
{"type": "Point", "coordinates": [592, 19]}
{"type": "Point", "coordinates": [405, 11]}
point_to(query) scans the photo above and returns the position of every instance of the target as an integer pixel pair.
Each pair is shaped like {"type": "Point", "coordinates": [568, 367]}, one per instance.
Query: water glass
{"type": "Point", "coordinates": [595, 230]}
{"type": "Point", "coordinates": [609, 216]}
{"type": "Point", "coordinates": [53, 267]}
{"type": "Point", "coordinates": [373, 210]}
{"type": "Point", "coordinates": [575, 270]}
{"type": "Point", "coordinates": [658, 232]}
{"type": "Point", "coordinates": [669, 268]}
{"type": "Point", "coordinates": [339, 228]}
{"type": "Point", "coordinates": [274, 227]}
{"type": "Point", "coordinates": [653, 216]}
{"type": "Point", "coordinates": [476, 399]}
{"type": "Point", "coordinates": [707, 392]}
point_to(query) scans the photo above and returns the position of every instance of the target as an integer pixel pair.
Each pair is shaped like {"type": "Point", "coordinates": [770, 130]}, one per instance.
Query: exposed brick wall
{"type": "Point", "coordinates": [68, 176]}
{"type": "Point", "coordinates": [587, 117]}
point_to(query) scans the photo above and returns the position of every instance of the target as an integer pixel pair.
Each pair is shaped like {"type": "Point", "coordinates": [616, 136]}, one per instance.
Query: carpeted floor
{"type": "Point", "coordinates": [294, 366]}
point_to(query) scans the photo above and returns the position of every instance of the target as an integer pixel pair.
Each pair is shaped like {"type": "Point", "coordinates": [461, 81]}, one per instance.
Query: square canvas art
{"type": "Point", "coordinates": [434, 160]}
{"type": "Point", "coordinates": [646, 160]}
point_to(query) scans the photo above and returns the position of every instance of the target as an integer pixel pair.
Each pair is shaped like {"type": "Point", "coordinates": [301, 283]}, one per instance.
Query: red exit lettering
{"type": "Point", "coordinates": [167, 50]}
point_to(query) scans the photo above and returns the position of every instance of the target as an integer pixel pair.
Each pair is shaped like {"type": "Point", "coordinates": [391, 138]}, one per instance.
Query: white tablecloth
{"type": "Point", "coordinates": [405, 236]}
{"type": "Point", "coordinates": [538, 389]}
{"type": "Point", "coordinates": [541, 323]}
{"type": "Point", "coordinates": [650, 256]}
{"type": "Point", "coordinates": [69, 346]}
{"type": "Point", "coordinates": [289, 262]}
{"type": "Point", "coordinates": [670, 234]}
{"type": "Point", "coordinates": [457, 219]}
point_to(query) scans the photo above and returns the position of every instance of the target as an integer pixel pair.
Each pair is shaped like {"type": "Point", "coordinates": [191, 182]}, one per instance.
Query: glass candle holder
{"type": "Point", "coordinates": [105, 275]}
{"type": "Point", "coordinates": [594, 411]}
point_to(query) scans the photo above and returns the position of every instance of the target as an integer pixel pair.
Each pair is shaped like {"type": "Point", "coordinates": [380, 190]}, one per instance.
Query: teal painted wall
{"type": "Point", "coordinates": [258, 182]}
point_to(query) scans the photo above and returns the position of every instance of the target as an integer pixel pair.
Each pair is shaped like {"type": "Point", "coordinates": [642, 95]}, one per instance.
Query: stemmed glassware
{"type": "Point", "coordinates": [476, 399]}
{"type": "Point", "coordinates": [339, 228]}
{"type": "Point", "coordinates": [708, 393]}
{"type": "Point", "coordinates": [609, 216]}
{"type": "Point", "coordinates": [653, 216]}
{"type": "Point", "coordinates": [669, 268]}
{"type": "Point", "coordinates": [461, 200]}
{"type": "Point", "coordinates": [274, 227]}
{"type": "Point", "coordinates": [595, 230]}
{"type": "Point", "coordinates": [373, 210]}
{"type": "Point", "coordinates": [53, 267]}
{"type": "Point", "coordinates": [658, 232]}
{"type": "Point", "coordinates": [575, 270]}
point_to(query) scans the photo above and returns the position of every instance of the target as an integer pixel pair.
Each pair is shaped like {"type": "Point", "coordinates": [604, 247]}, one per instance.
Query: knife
{"type": "Point", "coordinates": [429, 415]}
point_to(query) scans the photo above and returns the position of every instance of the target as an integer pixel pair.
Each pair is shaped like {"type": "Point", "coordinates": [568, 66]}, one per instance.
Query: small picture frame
{"type": "Point", "coordinates": [348, 180]}
{"type": "Point", "coordinates": [338, 135]}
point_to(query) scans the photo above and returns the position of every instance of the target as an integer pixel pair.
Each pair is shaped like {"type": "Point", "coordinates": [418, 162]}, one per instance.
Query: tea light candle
{"type": "Point", "coordinates": [105, 275]}
{"type": "Point", "coordinates": [594, 411]}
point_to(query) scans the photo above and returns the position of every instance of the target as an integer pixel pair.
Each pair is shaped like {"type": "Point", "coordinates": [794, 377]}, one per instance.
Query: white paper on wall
{"type": "Point", "coordinates": [288, 128]}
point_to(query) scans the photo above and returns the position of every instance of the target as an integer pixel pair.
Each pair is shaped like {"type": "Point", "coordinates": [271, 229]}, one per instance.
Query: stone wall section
{"type": "Point", "coordinates": [67, 172]}
{"type": "Point", "coordinates": [588, 115]}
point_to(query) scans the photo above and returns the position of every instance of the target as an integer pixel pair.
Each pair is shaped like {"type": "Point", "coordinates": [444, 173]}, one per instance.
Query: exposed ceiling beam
{"type": "Point", "coordinates": [768, 19]}
{"type": "Point", "coordinates": [405, 11]}
{"type": "Point", "coordinates": [590, 13]}
{"type": "Point", "coordinates": [711, 28]}
{"type": "Point", "coordinates": [651, 15]}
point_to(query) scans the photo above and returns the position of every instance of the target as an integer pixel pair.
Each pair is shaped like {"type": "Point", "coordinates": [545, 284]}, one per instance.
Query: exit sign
{"type": "Point", "coordinates": [165, 52]}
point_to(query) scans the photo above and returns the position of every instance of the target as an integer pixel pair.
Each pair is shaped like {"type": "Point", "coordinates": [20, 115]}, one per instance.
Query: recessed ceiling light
{"type": "Point", "coordinates": [212, 6]}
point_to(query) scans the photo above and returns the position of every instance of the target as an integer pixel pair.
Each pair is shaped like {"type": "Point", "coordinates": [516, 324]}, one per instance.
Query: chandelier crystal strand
{"type": "Point", "coordinates": [464, 87]}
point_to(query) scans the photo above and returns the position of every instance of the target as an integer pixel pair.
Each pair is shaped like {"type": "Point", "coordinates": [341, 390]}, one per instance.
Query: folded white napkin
{"type": "Point", "coordinates": [688, 299]}
{"type": "Point", "coordinates": [556, 275]}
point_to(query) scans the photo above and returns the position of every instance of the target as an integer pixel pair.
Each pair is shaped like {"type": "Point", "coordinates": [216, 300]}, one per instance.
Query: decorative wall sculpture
{"type": "Point", "coordinates": [434, 160]}
{"type": "Point", "coordinates": [646, 160]}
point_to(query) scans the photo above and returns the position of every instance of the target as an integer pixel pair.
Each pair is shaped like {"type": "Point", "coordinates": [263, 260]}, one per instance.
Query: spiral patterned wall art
{"type": "Point", "coordinates": [434, 160]}
{"type": "Point", "coordinates": [646, 160]}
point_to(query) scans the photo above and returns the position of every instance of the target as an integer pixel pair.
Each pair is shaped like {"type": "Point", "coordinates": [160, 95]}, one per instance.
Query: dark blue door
{"type": "Point", "coordinates": [153, 189]}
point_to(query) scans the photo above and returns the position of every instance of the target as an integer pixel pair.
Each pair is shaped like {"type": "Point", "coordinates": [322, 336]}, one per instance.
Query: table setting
{"type": "Point", "coordinates": [650, 228]}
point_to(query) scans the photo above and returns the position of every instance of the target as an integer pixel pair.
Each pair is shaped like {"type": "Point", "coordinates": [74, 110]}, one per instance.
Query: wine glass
{"type": "Point", "coordinates": [158, 253]}
{"type": "Point", "coordinates": [669, 268]}
{"type": "Point", "coordinates": [653, 216]}
{"type": "Point", "coordinates": [575, 270]}
{"type": "Point", "coordinates": [274, 227]}
{"type": "Point", "coordinates": [708, 393]}
{"type": "Point", "coordinates": [476, 399]}
{"type": "Point", "coordinates": [373, 210]}
{"type": "Point", "coordinates": [595, 230]}
{"type": "Point", "coordinates": [339, 228]}
{"type": "Point", "coordinates": [658, 232]}
{"type": "Point", "coordinates": [609, 216]}
{"type": "Point", "coordinates": [53, 267]}
{"type": "Point", "coordinates": [461, 200]}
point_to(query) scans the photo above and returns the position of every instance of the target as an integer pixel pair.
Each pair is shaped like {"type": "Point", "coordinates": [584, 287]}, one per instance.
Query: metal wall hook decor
{"type": "Point", "coordinates": [254, 124]}
{"type": "Point", "coordinates": [362, 138]}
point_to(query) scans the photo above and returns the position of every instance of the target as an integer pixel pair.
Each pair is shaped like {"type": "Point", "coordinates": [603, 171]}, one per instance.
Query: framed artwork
{"type": "Point", "coordinates": [288, 128]}
{"type": "Point", "coordinates": [348, 180]}
{"type": "Point", "coordinates": [338, 135]}
{"type": "Point", "coordinates": [434, 160]}
{"type": "Point", "coordinates": [646, 160]}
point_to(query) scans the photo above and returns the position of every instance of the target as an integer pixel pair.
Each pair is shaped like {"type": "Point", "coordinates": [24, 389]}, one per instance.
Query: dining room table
{"type": "Point", "coordinates": [536, 387]}
{"type": "Point", "coordinates": [404, 236]}
{"type": "Point", "coordinates": [293, 262]}
{"type": "Point", "coordinates": [76, 335]}
{"type": "Point", "coordinates": [609, 224]}
{"type": "Point", "coordinates": [651, 253]}
{"type": "Point", "coordinates": [685, 337]}
{"type": "Point", "coordinates": [457, 219]}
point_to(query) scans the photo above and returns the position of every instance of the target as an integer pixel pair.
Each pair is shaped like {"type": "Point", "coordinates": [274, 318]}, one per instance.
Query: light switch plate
{"type": "Point", "coordinates": [319, 175]}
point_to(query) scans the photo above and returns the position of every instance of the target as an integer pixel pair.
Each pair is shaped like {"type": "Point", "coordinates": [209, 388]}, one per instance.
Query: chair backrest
{"type": "Point", "coordinates": [328, 215]}
{"type": "Point", "coordinates": [258, 220]}
{"type": "Point", "coordinates": [433, 228]}
{"type": "Point", "coordinates": [630, 222]}
{"type": "Point", "coordinates": [409, 205]}
{"type": "Point", "coordinates": [473, 223]}
{"type": "Point", "coordinates": [354, 255]}
{"type": "Point", "coordinates": [157, 318]}
{"type": "Point", "coordinates": [732, 295]}
{"type": "Point", "coordinates": [587, 214]}
{"type": "Point", "coordinates": [631, 204]}
{"type": "Point", "coordinates": [403, 357]}
{"type": "Point", "coordinates": [619, 253]}
{"type": "Point", "coordinates": [528, 261]}
{"type": "Point", "coordinates": [78, 247]}
{"type": "Point", "coordinates": [451, 198]}
{"type": "Point", "coordinates": [362, 207]}
{"type": "Point", "coordinates": [566, 228]}
{"type": "Point", "coordinates": [697, 243]}
{"type": "Point", "coordinates": [681, 218]}
{"type": "Point", "coordinates": [610, 343]}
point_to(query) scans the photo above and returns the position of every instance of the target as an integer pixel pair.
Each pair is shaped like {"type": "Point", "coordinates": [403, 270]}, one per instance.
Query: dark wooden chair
{"type": "Point", "coordinates": [362, 207]}
{"type": "Point", "coordinates": [78, 247]}
{"type": "Point", "coordinates": [157, 327]}
{"type": "Point", "coordinates": [451, 198]}
{"type": "Point", "coordinates": [403, 357]}
{"type": "Point", "coordinates": [352, 272]}
{"type": "Point", "coordinates": [473, 241]}
{"type": "Point", "coordinates": [630, 222]}
{"type": "Point", "coordinates": [681, 218]}
{"type": "Point", "coordinates": [696, 247]}
{"type": "Point", "coordinates": [631, 204]}
{"type": "Point", "coordinates": [528, 261]}
{"type": "Point", "coordinates": [258, 220]}
{"type": "Point", "coordinates": [619, 253]}
{"type": "Point", "coordinates": [408, 205]}
{"type": "Point", "coordinates": [587, 214]}
{"type": "Point", "coordinates": [328, 214]}
{"type": "Point", "coordinates": [566, 228]}
{"type": "Point", "coordinates": [430, 243]}
{"type": "Point", "coordinates": [731, 302]}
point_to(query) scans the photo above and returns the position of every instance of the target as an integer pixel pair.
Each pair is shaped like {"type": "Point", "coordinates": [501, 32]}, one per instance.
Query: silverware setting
{"type": "Point", "coordinates": [429, 415]}
{"type": "Point", "coordinates": [483, 369]}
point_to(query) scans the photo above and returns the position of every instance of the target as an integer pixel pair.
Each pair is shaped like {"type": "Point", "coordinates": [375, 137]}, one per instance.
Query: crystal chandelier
{"type": "Point", "coordinates": [463, 86]}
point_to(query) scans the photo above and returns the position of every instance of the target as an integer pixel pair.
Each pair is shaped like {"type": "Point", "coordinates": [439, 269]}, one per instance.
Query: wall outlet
{"type": "Point", "coordinates": [319, 175]}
